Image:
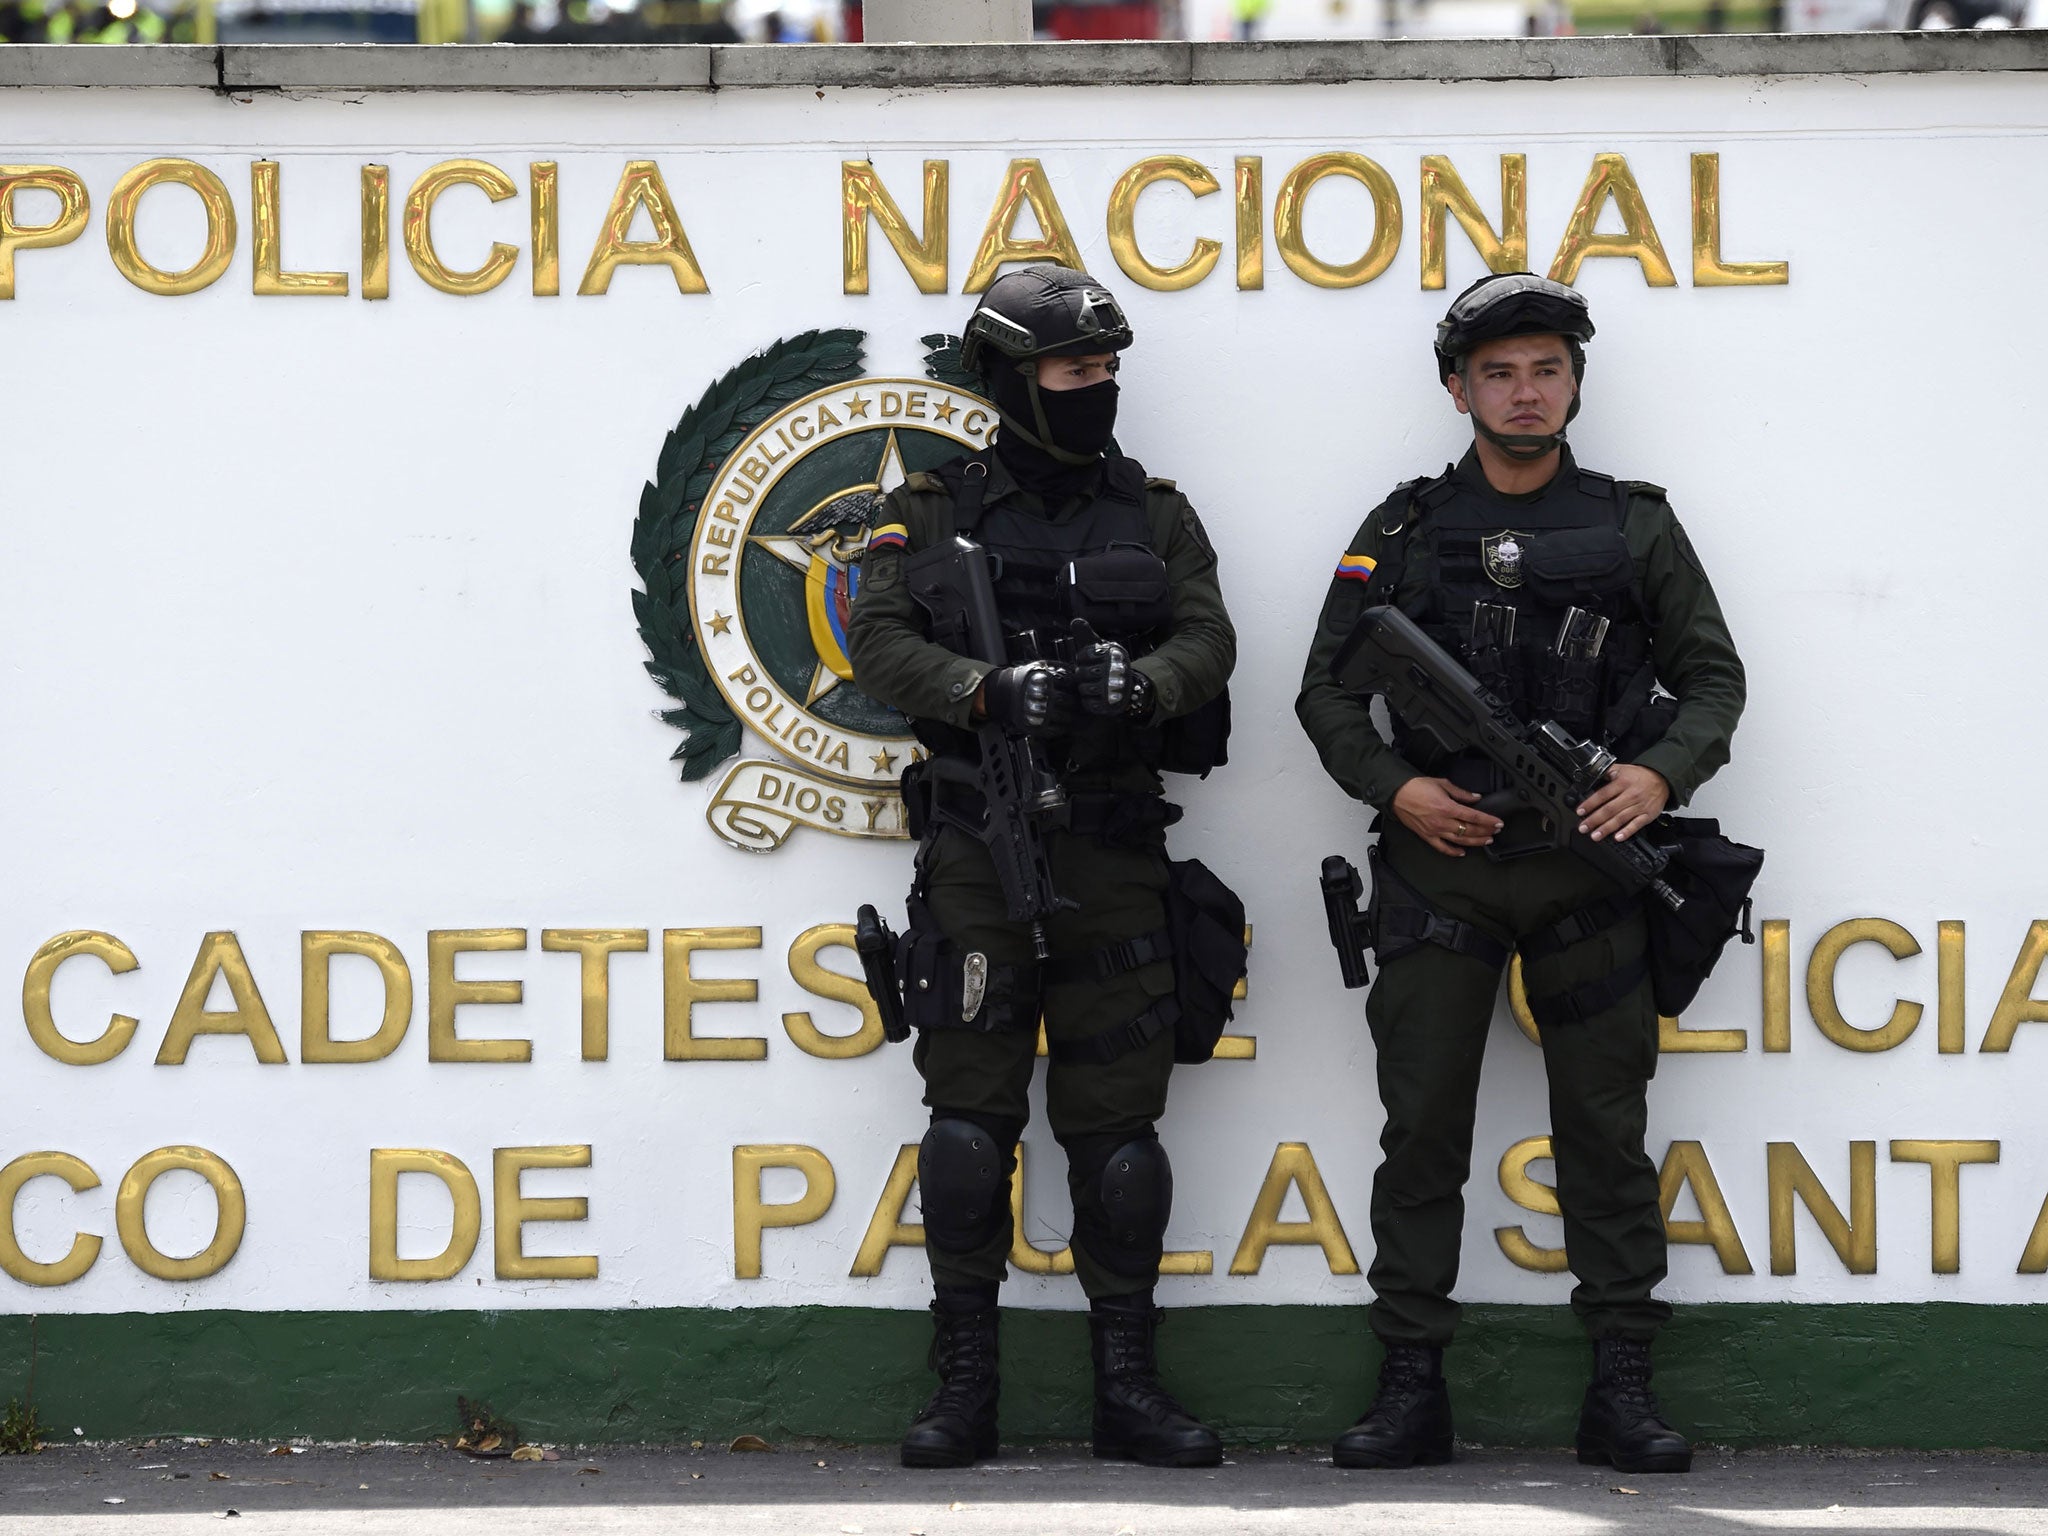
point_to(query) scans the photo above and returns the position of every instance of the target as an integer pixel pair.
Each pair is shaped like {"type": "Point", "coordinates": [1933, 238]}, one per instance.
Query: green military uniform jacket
{"type": "Point", "coordinates": [895, 663]}
{"type": "Point", "coordinates": [1694, 655]}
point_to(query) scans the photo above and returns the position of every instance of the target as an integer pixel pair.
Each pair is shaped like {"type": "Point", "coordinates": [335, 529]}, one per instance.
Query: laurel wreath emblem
{"type": "Point", "coordinates": [690, 458]}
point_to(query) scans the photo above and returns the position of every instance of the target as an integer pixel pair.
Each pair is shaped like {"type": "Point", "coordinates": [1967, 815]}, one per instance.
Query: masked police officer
{"type": "Point", "coordinates": [1579, 599]}
{"type": "Point", "coordinates": [1070, 521]}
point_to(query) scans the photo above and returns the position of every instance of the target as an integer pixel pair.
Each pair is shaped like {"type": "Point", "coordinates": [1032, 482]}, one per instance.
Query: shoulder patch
{"type": "Point", "coordinates": [1686, 552]}
{"type": "Point", "coordinates": [1191, 525]}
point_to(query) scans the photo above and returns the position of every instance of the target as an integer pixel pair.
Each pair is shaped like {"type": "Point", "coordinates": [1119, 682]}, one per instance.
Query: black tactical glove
{"type": "Point", "coordinates": [1105, 679]}
{"type": "Point", "coordinates": [1035, 699]}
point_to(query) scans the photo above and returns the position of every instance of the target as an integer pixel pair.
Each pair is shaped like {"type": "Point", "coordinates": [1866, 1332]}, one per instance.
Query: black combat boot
{"type": "Point", "coordinates": [1409, 1422]}
{"type": "Point", "coordinates": [958, 1426]}
{"type": "Point", "coordinates": [1620, 1423]}
{"type": "Point", "coordinates": [1136, 1419]}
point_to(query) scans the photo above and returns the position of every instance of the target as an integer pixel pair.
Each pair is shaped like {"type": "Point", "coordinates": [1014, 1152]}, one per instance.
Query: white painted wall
{"type": "Point", "coordinates": [314, 614]}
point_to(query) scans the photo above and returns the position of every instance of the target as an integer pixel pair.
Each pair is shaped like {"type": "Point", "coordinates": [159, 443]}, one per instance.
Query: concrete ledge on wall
{"type": "Point", "coordinates": [55, 64]}
{"type": "Point", "coordinates": [499, 66]}
{"type": "Point", "coordinates": [913, 64]}
{"type": "Point", "coordinates": [367, 67]}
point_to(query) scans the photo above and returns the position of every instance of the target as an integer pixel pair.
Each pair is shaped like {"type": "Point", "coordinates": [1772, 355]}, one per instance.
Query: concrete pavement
{"type": "Point", "coordinates": [171, 1488]}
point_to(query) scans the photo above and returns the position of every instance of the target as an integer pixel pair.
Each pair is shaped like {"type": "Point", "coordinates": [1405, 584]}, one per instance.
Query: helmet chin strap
{"type": "Point", "coordinates": [1525, 446]}
{"type": "Point", "coordinates": [1042, 441]}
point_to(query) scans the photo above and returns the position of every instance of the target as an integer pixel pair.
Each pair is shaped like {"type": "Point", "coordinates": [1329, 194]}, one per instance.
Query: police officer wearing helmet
{"type": "Point", "coordinates": [1073, 524]}
{"type": "Point", "coordinates": [1576, 598]}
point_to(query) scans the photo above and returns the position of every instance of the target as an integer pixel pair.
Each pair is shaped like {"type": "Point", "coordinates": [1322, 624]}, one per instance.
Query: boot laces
{"type": "Point", "coordinates": [1127, 1360]}
{"type": "Point", "coordinates": [1628, 1383]}
{"type": "Point", "coordinates": [962, 1356]}
{"type": "Point", "coordinates": [1404, 1375]}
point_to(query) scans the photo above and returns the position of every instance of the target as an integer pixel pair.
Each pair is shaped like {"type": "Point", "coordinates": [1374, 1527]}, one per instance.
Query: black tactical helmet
{"type": "Point", "coordinates": [1512, 304]}
{"type": "Point", "coordinates": [1042, 311]}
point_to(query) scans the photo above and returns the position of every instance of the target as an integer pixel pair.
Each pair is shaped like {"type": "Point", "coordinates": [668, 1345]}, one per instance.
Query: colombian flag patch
{"type": "Point", "coordinates": [889, 536]}
{"type": "Point", "coordinates": [1357, 568]}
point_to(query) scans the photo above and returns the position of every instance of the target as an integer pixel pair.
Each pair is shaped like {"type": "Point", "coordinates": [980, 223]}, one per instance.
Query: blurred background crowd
{"type": "Point", "coordinates": [826, 21]}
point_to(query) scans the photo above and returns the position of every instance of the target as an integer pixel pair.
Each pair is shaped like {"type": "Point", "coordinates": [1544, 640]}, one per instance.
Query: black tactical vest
{"type": "Point", "coordinates": [1538, 598]}
{"type": "Point", "coordinates": [1098, 565]}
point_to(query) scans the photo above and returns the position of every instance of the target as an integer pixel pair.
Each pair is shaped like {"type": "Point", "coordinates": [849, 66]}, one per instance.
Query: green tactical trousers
{"type": "Point", "coordinates": [986, 1076]}
{"type": "Point", "coordinates": [1429, 1011]}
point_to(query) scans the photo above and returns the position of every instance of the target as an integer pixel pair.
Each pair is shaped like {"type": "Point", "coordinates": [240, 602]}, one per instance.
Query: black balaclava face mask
{"type": "Point", "coordinates": [1078, 422]}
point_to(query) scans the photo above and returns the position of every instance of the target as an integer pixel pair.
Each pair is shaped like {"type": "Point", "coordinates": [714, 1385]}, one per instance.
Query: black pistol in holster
{"type": "Point", "coordinates": [1008, 798]}
{"type": "Point", "coordinates": [1350, 932]}
{"type": "Point", "coordinates": [875, 942]}
{"type": "Point", "coordinates": [1546, 770]}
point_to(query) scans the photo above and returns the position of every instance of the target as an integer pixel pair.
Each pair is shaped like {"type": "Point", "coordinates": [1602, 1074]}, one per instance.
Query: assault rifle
{"type": "Point", "coordinates": [1546, 770]}
{"type": "Point", "coordinates": [1009, 798]}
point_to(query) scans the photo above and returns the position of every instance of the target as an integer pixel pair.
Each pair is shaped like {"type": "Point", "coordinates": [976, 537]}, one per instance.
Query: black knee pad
{"type": "Point", "coordinates": [1121, 1207]}
{"type": "Point", "coordinates": [963, 1182]}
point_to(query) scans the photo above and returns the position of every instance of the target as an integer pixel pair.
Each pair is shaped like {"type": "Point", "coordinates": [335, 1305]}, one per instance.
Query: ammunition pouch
{"type": "Point", "coordinates": [1578, 567]}
{"type": "Point", "coordinates": [1714, 875]}
{"type": "Point", "coordinates": [944, 988]}
{"type": "Point", "coordinates": [1197, 741]}
{"type": "Point", "coordinates": [1122, 591]}
{"type": "Point", "coordinates": [1203, 937]}
{"type": "Point", "coordinates": [1206, 919]}
{"type": "Point", "coordinates": [1567, 689]}
{"type": "Point", "coordinates": [914, 784]}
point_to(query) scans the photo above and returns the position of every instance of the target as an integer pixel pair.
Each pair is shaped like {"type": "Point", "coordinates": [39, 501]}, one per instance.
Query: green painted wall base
{"type": "Point", "coordinates": [1920, 1376]}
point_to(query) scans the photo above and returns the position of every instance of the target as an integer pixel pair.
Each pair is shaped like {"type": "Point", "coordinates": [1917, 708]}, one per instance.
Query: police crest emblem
{"type": "Point", "coordinates": [749, 546]}
{"type": "Point", "coordinates": [1501, 555]}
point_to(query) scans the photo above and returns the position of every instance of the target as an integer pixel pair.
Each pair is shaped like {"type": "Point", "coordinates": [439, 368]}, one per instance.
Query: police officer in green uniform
{"type": "Point", "coordinates": [1064, 513]}
{"type": "Point", "coordinates": [1575, 598]}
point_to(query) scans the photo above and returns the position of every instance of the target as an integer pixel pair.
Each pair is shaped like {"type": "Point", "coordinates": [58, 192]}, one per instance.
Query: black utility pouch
{"type": "Point", "coordinates": [929, 968]}
{"type": "Point", "coordinates": [1577, 566]}
{"type": "Point", "coordinates": [1206, 919]}
{"type": "Point", "coordinates": [1122, 591]}
{"type": "Point", "coordinates": [1714, 875]}
{"type": "Point", "coordinates": [916, 786]}
{"type": "Point", "coordinates": [1199, 740]}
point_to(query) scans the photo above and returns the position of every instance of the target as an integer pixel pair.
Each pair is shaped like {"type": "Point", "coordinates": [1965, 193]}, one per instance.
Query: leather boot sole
{"type": "Point", "coordinates": [1192, 1456]}
{"type": "Point", "coordinates": [954, 1455]}
{"type": "Point", "coordinates": [1594, 1454]}
{"type": "Point", "coordinates": [1426, 1456]}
